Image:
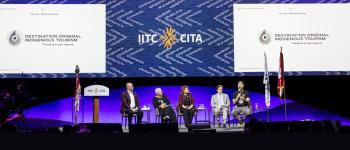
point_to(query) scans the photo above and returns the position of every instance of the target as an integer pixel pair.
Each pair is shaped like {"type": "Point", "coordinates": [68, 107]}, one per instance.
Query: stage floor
{"type": "Point", "coordinates": [182, 129]}
{"type": "Point", "coordinates": [41, 125]}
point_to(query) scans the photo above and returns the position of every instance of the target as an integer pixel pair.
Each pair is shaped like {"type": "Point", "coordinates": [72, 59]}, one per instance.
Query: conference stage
{"type": "Point", "coordinates": [186, 66]}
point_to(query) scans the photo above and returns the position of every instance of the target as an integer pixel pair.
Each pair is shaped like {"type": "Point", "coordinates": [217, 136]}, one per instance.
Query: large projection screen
{"type": "Point", "coordinates": [213, 39]}
{"type": "Point", "coordinates": [52, 38]}
{"type": "Point", "coordinates": [313, 37]}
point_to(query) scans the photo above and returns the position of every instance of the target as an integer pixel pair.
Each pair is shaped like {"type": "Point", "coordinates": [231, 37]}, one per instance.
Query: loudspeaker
{"type": "Point", "coordinates": [67, 129]}
{"type": "Point", "coordinates": [255, 126]}
{"type": "Point", "coordinates": [316, 126]}
{"type": "Point", "coordinates": [53, 130]}
{"type": "Point", "coordinates": [198, 131]}
{"type": "Point", "coordinates": [344, 129]}
{"type": "Point", "coordinates": [154, 128]}
{"type": "Point", "coordinates": [300, 126]}
{"type": "Point", "coordinates": [100, 128]}
{"type": "Point", "coordinates": [278, 126]}
{"type": "Point", "coordinates": [331, 126]}
{"type": "Point", "coordinates": [198, 126]}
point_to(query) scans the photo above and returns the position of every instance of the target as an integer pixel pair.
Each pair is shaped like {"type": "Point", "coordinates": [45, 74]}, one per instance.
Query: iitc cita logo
{"type": "Point", "coordinates": [169, 38]}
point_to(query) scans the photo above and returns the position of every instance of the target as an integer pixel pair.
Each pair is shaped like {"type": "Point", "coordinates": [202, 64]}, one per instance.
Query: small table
{"type": "Point", "coordinates": [206, 111]}
{"type": "Point", "coordinates": [148, 113]}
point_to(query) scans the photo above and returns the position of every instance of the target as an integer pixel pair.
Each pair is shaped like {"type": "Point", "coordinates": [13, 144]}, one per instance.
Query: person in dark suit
{"type": "Point", "coordinates": [162, 104]}
{"type": "Point", "coordinates": [130, 104]}
{"type": "Point", "coordinates": [186, 105]}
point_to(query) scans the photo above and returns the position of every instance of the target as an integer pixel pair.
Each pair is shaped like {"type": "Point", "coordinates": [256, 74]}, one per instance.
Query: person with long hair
{"type": "Point", "coordinates": [186, 105]}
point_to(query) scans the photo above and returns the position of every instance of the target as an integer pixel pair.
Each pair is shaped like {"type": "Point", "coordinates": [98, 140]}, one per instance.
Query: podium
{"type": "Point", "coordinates": [96, 91]}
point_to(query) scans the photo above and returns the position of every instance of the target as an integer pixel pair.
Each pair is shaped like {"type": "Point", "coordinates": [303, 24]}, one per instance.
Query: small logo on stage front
{"type": "Point", "coordinates": [264, 37]}
{"type": "Point", "coordinates": [14, 38]}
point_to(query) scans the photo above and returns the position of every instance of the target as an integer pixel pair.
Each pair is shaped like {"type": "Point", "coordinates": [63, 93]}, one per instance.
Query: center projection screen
{"type": "Point", "coordinates": [137, 38]}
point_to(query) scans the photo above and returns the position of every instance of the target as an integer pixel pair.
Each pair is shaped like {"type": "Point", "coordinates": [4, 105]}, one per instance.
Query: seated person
{"type": "Point", "coordinates": [242, 101]}
{"type": "Point", "coordinates": [161, 102]}
{"type": "Point", "coordinates": [130, 104]}
{"type": "Point", "coordinates": [220, 103]}
{"type": "Point", "coordinates": [186, 106]}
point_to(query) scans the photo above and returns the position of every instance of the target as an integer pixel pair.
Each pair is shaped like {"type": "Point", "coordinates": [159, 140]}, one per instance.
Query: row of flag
{"type": "Point", "coordinates": [280, 82]}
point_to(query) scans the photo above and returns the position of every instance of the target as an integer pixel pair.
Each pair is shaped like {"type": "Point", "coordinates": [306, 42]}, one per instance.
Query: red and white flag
{"type": "Point", "coordinates": [77, 93]}
{"type": "Point", "coordinates": [280, 83]}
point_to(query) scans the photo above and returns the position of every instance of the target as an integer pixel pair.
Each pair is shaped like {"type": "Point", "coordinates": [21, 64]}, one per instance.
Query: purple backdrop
{"type": "Point", "coordinates": [61, 109]}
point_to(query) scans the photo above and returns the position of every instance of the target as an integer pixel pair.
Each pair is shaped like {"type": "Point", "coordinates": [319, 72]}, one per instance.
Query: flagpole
{"type": "Point", "coordinates": [268, 115]}
{"type": "Point", "coordinates": [75, 109]}
{"type": "Point", "coordinates": [76, 96]}
{"type": "Point", "coordinates": [285, 102]}
{"type": "Point", "coordinates": [281, 84]}
{"type": "Point", "coordinates": [267, 89]}
{"type": "Point", "coordinates": [268, 107]}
